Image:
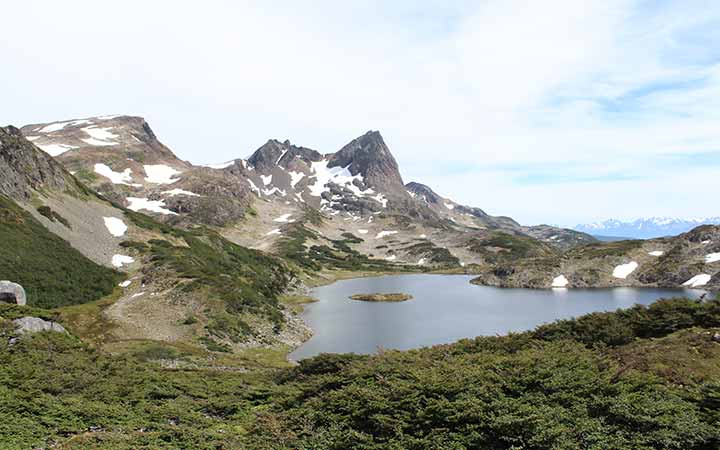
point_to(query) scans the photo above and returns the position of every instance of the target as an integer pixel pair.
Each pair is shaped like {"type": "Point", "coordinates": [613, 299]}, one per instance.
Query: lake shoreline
{"type": "Point", "coordinates": [486, 305]}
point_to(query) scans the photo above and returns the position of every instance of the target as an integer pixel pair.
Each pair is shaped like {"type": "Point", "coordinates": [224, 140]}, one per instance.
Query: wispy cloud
{"type": "Point", "coordinates": [524, 108]}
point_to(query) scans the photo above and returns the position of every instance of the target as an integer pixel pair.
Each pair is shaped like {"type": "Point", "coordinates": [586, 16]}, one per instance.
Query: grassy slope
{"type": "Point", "coordinates": [51, 271]}
{"type": "Point", "coordinates": [591, 383]}
{"type": "Point", "coordinates": [242, 280]}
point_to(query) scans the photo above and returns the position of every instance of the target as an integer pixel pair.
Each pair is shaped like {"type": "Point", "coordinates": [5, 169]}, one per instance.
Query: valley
{"type": "Point", "coordinates": [179, 272]}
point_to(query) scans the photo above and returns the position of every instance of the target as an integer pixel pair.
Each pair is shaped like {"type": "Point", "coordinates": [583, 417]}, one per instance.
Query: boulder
{"type": "Point", "coordinates": [12, 293]}
{"type": "Point", "coordinates": [35, 324]}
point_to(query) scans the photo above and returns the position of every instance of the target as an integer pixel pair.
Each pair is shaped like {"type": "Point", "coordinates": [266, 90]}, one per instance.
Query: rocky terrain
{"type": "Point", "coordinates": [69, 247]}
{"type": "Point", "coordinates": [205, 268]}
{"type": "Point", "coordinates": [690, 260]}
{"type": "Point", "coordinates": [255, 202]}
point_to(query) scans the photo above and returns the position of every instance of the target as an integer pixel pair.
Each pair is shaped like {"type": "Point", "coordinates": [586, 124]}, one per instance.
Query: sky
{"type": "Point", "coordinates": [559, 112]}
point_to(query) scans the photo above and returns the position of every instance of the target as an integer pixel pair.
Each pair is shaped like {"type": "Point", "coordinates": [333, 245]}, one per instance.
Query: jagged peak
{"type": "Point", "coordinates": [274, 153]}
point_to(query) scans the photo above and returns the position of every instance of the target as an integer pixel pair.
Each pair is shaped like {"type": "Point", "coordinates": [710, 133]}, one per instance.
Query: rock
{"type": "Point", "coordinates": [716, 337]}
{"type": "Point", "coordinates": [35, 324]}
{"type": "Point", "coordinates": [12, 293]}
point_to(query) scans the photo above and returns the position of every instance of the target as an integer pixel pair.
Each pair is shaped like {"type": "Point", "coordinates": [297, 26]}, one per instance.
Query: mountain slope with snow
{"type": "Point", "coordinates": [357, 190]}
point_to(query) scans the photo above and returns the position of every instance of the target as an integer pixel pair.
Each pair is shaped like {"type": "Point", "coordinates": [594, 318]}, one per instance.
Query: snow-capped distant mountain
{"type": "Point", "coordinates": [645, 228]}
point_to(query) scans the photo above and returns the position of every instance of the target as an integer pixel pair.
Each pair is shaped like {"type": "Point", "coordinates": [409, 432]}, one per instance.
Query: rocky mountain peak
{"type": "Point", "coordinates": [423, 192]}
{"type": "Point", "coordinates": [275, 153]}
{"type": "Point", "coordinates": [25, 169]}
{"type": "Point", "coordinates": [369, 156]}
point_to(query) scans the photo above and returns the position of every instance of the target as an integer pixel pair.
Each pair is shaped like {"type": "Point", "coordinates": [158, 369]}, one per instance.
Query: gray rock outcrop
{"type": "Point", "coordinates": [35, 324]}
{"type": "Point", "coordinates": [12, 293]}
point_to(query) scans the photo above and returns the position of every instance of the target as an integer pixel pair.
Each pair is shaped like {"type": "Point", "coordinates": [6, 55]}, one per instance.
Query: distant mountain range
{"type": "Point", "coordinates": [645, 228]}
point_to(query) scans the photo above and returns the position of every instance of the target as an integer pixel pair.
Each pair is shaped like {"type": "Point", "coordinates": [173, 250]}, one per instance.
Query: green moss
{"type": "Point", "coordinates": [52, 272]}
{"type": "Point", "coordinates": [86, 175]}
{"type": "Point", "coordinates": [604, 249]}
{"type": "Point", "coordinates": [499, 246]}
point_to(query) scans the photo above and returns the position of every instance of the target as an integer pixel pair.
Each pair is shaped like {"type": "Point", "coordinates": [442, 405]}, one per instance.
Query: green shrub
{"type": "Point", "coordinates": [52, 272]}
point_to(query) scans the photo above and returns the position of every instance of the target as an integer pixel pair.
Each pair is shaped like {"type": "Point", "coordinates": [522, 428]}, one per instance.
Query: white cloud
{"type": "Point", "coordinates": [610, 84]}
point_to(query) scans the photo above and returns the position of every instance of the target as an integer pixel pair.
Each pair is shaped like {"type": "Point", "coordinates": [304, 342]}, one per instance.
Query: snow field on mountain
{"type": "Point", "coordinates": [174, 192]}
{"type": "Point", "coordinates": [624, 270]}
{"type": "Point", "coordinates": [115, 226]}
{"type": "Point", "coordinates": [121, 260]}
{"type": "Point", "coordinates": [698, 280]}
{"type": "Point", "coordinates": [137, 204]}
{"type": "Point", "coordinates": [160, 174]}
{"type": "Point", "coordinates": [712, 257]}
{"type": "Point", "coordinates": [55, 149]}
{"type": "Point", "coordinates": [382, 234]}
{"type": "Point", "coordinates": [124, 177]}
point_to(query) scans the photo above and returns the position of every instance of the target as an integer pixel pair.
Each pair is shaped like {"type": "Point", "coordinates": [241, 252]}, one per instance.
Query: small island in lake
{"type": "Point", "coordinates": [381, 297]}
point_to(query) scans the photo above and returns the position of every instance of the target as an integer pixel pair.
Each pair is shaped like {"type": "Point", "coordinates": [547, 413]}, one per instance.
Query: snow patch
{"type": "Point", "coordinates": [115, 226]}
{"type": "Point", "coordinates": [275, 231]}
{"type": "Point", "coordinates": [295, 177]}
{"type": "Point", "coordinates": [337, 175]}
{"type": "Point", "coordinates": [363, 231]}
{"type": "Point", "coordinates": [698, 280]}
{"type": "Point", "coordinates": [136, 204]}
{"type": "Point", "coordinates": [391, 258]}
{"type": "Point", "coordinates": [125, 283]}
{"type": "Point", "coordinates": [55, 149]}
{"type": "Point", "coordinates": [421, 262]}
{"type": "Point", "coordinates": [382, 234]}
{"type": "Point", "coordinates": [120, 260]}
{"type": "Point", "coordinates": [449, 206]}
{"type": "Point", "coordinates": [220, 165]}
{"type": "Point", "coordinates": [623, 270]}
{"type": "Point", "coordinates": [174, 192]}
{"type": "Point", "coordinates": [160, 174]}
{"type": "Point", "coordinates": [560, 281]}
{"type": "Point", "coordinates": [266, 179]}
{"type": "Point", "coordinates": [99, 136]}
{"type": "Point", "coordinates": [284, 218]}
{"type": "Point", "coordinates": [712, 257]}
{"type": "Point", "coordinates": [100, 133]}
{"type": "Point", "coordinates": [656, 253]}
{"type": "Point", "coordinates": [124, 177]}
{"type": "Point", "coordinates": [60, 125]}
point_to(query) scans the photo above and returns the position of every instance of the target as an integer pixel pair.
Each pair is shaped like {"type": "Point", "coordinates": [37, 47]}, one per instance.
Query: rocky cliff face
{"type": "Point", "coordinates": [24, 169]}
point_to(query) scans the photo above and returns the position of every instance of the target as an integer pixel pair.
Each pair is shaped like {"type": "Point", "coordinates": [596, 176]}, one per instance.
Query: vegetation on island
{"type": "Point", "coordinates": [382, 297]}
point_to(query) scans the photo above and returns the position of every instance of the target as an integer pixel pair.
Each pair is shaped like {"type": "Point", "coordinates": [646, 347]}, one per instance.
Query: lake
{"type": "Point", "coordinates": [446, 308]}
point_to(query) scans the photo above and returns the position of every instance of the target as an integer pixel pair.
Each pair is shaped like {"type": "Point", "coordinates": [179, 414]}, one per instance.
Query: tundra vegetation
{"type": "Point", "coordinates": [642, 378]}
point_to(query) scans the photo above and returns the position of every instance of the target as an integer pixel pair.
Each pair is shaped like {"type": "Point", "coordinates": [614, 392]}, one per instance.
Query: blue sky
{"type": "Point", "coordinates": [557, 111]}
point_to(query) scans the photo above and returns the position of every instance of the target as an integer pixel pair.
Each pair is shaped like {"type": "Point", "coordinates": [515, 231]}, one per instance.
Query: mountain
{"type": "Point", "coordinates": [645, 228]}
{"type": "Point", "coordinates": [67, 245]}
{"type": "Point", "coordinates": [691, 259]}
{"type": "Point", "coordinates": [263, 202]}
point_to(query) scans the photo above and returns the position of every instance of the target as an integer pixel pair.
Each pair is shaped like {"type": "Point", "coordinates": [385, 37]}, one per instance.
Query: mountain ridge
{"type": "Point", "coordinates": [645, 228]}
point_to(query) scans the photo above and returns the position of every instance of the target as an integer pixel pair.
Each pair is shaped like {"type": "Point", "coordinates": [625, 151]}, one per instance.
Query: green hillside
{"type": "Point", "coordinates": [645, 378]}
{"type": "Point", "coordinates": [52, 272]}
